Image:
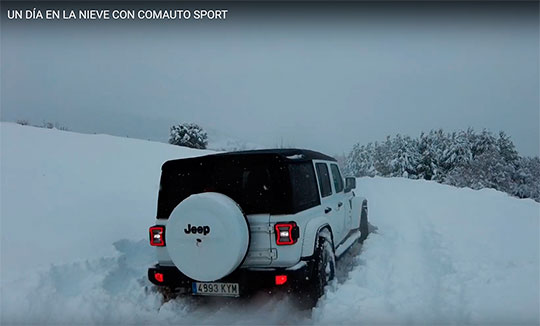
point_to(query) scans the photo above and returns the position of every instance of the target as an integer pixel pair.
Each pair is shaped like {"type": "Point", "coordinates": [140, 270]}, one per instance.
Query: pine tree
{"type": "Point", "coordinates": [405, 157]}
{"type": "Point", "coordinates": [527, 178]}
{"type": "Point", "coordinates": [360, 161]}
{"type": "Point", "coordinates": [426, 166]}
{"type": "Point", "coordinates": [189, 135]}
{"type": "Point", "coordinates": [506, 148]}
{"type": "Point", "coordinates": [382, 159]}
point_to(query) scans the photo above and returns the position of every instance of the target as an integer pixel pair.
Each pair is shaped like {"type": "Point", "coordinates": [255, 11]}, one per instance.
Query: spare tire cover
{"type": "Point", "coordinates": [207, 236]}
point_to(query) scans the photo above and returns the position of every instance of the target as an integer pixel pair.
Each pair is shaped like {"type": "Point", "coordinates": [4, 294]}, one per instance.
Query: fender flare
{"type": "Point", "coordinates": [312, 229]}
{"type": "Point", "coordinates": [357, 203]}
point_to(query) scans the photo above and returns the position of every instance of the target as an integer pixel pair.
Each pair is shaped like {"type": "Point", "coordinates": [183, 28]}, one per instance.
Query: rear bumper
{"type": "Point", "coordinates": [247, 279]}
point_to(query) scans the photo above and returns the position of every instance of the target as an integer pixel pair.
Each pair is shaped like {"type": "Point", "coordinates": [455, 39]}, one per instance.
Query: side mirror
{"type": "Point", "coordinates": [350, 184]}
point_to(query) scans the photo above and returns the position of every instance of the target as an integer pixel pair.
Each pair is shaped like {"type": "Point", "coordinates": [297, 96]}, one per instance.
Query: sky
{"type": "Point", "coordinates": [317, 76]}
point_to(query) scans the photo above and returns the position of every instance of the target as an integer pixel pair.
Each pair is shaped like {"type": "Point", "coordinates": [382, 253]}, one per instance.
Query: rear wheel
{"type": "Point", "coordinates": [322, 271]}
{"type": "Point", "coordinates": [364, 224]}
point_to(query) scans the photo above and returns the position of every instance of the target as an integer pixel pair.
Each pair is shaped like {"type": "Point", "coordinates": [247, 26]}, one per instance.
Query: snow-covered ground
{"type": "Point", "coordinates": [441, 255]}
{"type": "Point", "coordinates": [75, 211]}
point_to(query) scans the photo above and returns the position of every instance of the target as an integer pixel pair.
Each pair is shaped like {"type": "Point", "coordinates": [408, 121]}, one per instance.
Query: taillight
{"type": "Point", "coordinates": [158, 277]}
{"type": "Point", "coordinates": [157, 235]}
{"type": "Point", "coordinates": [281, 279]}
{"type": "Point", "coordinates": [286, 233]}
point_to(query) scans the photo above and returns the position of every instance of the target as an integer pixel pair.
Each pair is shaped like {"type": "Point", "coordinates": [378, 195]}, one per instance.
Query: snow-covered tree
{"type": "Point", "coordinates": [464, 159]}
{"type": "Point", "coordinates": [481, 143]}
{"type": "Point", "coordinates": [506, 148]}
{"type": "Point", "coordinates": [427, 167]}
{"type": "Point", "coordinates": [404, 157]}
{"type": "Point", "coordinates": [360, 161]}
{"type": "Point", "coordinates": [189, 135]}
{"type": "Point", "coordinates": [459, 150]}
{"type": "Point", "coordinates": [487, 170]}
{"type": "Point", "coordinates": [383, 157]}
{"type": "Point", "coordinates": [527, 178]}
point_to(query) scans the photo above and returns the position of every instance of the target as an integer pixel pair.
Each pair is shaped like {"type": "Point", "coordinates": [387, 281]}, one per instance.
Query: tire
{"type": "Point", "coordinates": [322, 271]}
{"type": "Point", "coordinates": [364, 224]}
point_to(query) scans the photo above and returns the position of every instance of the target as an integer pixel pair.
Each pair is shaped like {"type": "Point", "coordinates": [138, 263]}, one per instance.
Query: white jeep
{"type": "Point", "coordinates": [228, 222]}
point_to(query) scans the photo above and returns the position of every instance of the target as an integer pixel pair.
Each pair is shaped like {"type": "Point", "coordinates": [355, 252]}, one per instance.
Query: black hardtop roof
{"type": "Point", "coordinates": [282, 153]}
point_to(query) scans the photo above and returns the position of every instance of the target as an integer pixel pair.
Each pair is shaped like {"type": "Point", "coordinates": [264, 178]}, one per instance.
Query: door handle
{"type": "Point", "coordinates": [327, 210]}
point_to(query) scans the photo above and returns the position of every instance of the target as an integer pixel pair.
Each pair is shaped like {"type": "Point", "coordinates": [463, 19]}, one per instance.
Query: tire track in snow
{"type": "Point", "coordinates": [413, 273]}
{"type": "Point", "coordinates": [444, 290]}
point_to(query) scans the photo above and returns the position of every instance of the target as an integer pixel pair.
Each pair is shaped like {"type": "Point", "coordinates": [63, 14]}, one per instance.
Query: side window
{"type": "Point", "coordinates": [304, 186]}
{"type": "Point", "coordinates": [324, 179]}
{"type": "Point", "coordinates": [336, 176]}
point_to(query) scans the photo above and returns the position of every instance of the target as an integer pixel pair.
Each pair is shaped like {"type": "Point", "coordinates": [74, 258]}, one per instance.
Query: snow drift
{"type": "Point", "coordinates": [75, 210]}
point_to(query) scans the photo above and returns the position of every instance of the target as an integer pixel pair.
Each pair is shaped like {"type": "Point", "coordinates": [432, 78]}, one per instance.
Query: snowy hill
{"type": "Point", "coordinates": [66, 188]}
{"type": "Point", "coordinates": [75, 210]}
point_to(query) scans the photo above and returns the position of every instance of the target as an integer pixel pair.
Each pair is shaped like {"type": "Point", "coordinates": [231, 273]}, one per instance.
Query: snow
{"type": "Point", "coordinates": [441, 255]}
{"type": "Point", "coordinates": [62, 188]}
{"type": "Point", "coordinates": [295, 157]}
{"type": "Point", "coordinates": [75, 212]}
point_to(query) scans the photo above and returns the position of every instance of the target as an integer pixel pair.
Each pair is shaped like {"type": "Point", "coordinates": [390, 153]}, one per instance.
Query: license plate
{"type": "Point", "coordinates": [218, 289]}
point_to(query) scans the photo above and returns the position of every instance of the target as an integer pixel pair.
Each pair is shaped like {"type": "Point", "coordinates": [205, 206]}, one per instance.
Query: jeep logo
{"type": "Point", "coordinates": [197, 229]}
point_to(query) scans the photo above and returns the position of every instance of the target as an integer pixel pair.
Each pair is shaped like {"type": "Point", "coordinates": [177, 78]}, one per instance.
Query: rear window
{"type": "Point", "coordinates": [258, 186]}
{"type": "Point", "coordinates": [304, 186]}
{"type": "Point", "coordinates": [324, 179]}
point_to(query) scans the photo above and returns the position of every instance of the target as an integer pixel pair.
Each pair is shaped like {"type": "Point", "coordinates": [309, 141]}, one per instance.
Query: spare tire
{"type": "Point", "coordinates": [207, 236]}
